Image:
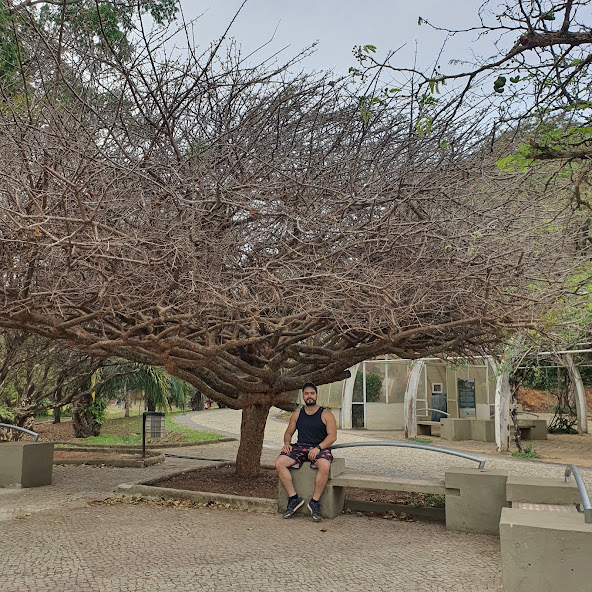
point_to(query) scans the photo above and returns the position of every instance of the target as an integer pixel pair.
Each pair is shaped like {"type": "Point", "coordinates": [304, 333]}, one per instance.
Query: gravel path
{"type": "Point", "coordinates": [396, 462]}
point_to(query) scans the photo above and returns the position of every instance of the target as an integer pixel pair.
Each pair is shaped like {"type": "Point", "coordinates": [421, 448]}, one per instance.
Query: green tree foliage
{"type": "Point", "coordinates": [160, 390]}
{"type": "Point", "coordinates": [373, 386]}
{"type": "Point", "coordinates": [535, 84]}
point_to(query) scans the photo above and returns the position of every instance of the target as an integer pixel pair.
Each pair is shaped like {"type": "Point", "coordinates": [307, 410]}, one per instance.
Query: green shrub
{"type": "Point", "coordinates": [373, 386]}
{"type": "Point", "coordinates": [421, 440]}
{"type": "Point", "coordinates": [528, 452]}
{"type": "Point", "coordinates": [434, 500]}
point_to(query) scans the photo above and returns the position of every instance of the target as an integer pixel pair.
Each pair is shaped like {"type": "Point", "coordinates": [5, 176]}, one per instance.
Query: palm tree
{"type": "Point", "coordinates": [160, 390]}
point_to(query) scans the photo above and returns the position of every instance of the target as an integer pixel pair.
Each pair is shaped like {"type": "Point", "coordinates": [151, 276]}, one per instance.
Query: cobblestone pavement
{"type": "Point", "coordinates": [134, 548]}
{"type": "Point", "coordinates": [53, 541]}
{"type": "Point", "coordinates": [408, 463]}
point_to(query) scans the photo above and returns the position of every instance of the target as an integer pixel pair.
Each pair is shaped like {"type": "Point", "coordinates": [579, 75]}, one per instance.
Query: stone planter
{"type": "Point", "coordinates": [26, 464]}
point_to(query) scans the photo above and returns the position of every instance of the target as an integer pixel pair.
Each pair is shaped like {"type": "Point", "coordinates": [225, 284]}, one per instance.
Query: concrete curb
{"type": "Point", "coordinates": [234, 501]}
{"type": "Point", "coordinates": [119, 462]}
{"type": "Point", "coordinates": [417, 512]}
{"type": "Point", "coordinates": [136, 447]}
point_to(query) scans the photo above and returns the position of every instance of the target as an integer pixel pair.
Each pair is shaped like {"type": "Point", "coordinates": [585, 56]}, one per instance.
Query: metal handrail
{"type": "Point", "coordinates": [13, 427]}
{"type": "Point", "coordinates": [582, 490]}
{"type": "Point", "coordinates": [410, 445]}
{"type": "Point", "coordinates": [519, 413]}
{"type": "Point", "coordinates": [430, 409]}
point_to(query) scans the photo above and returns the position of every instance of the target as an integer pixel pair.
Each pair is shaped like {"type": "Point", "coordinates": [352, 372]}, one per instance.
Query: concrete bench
{"type": "Point", "coordinates": [533, 429]}
{"type": "Point", "coordinates": [367, 481]}
{"type": "Point", "coordinates": [333, 498]}
{"type": "Point", "coordinates": [428, 428]}
{"type": "Point", "coordinates": [474, 497]}
{"type": "Point", "coordinates": [26, 464]}
{"type": "Point", "coordinates": [483, 430]}
{"type": "Point", "coordinates": [544, 549]}
{"type": "Point", "coordinates": [455, 428]}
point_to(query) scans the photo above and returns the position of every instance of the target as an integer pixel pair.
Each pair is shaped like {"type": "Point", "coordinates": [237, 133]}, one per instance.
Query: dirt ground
{"type": "Point", "coordinates": [63, 432]}
{"type": "Point", "coordinates": [540, 401]}
{"type": "Point", "coordinates": [224, 480]}
{"type": "Point", "coordinates": [55, 432]}
{"type": "Point", "coordinates": [94, 455]}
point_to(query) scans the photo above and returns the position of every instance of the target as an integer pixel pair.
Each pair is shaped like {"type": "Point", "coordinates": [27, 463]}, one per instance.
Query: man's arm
{"type": "Point", "coordinates": [331, 424]}
{"type": "Point", "coordinates": [290, 432]}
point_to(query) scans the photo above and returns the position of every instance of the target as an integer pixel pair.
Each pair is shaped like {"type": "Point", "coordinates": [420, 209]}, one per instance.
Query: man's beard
{"type": "Point", "coordinates": [309, 403]}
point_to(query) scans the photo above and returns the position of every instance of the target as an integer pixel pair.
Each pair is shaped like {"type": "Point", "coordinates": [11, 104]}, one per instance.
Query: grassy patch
{"type": "Point", "coordinates": [128, 430]}
{"type": "Point", "coordinates": [421, 440]}
{"type": "Point", "coordinates": [529, 452]}
{"type": "Point", "coordinates": [434, 500]}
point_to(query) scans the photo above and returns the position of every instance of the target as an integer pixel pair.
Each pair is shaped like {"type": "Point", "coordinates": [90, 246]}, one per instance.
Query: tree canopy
{"type": "Point", "coordinates": [250, 227]}
{"type": "Point", "coordinates": [533, 81]}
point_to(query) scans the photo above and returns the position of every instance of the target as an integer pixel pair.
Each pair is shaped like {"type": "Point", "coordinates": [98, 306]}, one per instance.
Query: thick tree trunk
{"type": "Point", "coordinates": [248, 458]}
{"type": "Point", "coordinates": [22, 420]}
{"type": "Point", "coordinates": [149, 404]}
{"type": "Point", "coordinates": [57, 414]}
{"type": "Point", "coordinates": [127, 397]}
{"type": "Point", "coordinates": [83, 421]}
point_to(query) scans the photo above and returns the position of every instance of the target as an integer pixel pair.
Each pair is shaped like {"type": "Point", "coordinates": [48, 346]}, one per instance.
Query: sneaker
{"type": "Point", "coordinates": [293, 505]}
{"type": "Point", "coordinates": [315, 510]}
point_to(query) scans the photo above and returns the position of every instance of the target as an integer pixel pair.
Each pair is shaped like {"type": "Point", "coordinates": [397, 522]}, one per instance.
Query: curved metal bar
{"type": "Point", "coordinates": [13, 427]}
{"type": "Point", "coordinates": [518, 413]}
{"type": "Point", "coordinates": [527, 413]}
{"type": "Point", "coordinates": [430, 409]}
{"type": "Point", "coordinates": [582, 490]}
{"type": "Point", "coordinates": [410, 445]}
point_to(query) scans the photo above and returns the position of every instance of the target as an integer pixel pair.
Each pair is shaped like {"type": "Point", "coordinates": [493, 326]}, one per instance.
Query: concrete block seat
{"type": "Point", "coordinates": [26, 464]}
{"type": "Point", "coordinates": [467, 428]}
{"type": "Point", "coordinates": [544, 550]}
{"type": "Point", "coordinates": [532, 429]}
{"type": "Point", "coordinates": [333, 498]}
{"type": "Point", "coordinates": [428, 428]}
{"type": "Point", "coordinates": [483, 430]}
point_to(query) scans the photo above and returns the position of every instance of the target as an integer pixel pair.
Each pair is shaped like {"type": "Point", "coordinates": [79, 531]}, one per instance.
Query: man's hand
{"type": "Point", "coordinates": [287, 448]}
{"type": "Point", "coordinates": [313, 453]}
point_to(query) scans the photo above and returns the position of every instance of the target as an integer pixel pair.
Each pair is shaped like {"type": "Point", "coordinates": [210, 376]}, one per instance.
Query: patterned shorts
{"type": "Point", "coordinates": [300, 454]}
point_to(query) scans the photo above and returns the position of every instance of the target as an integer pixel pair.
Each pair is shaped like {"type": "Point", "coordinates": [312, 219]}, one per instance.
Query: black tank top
{"type": "Point", "coordinates": [311, 429]}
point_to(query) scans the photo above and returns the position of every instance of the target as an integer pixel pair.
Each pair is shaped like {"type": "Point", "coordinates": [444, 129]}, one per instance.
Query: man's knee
{"type": "Point", "coordinates": [283, 462]}
{"type": "Point", "coordinates": [323, 465]}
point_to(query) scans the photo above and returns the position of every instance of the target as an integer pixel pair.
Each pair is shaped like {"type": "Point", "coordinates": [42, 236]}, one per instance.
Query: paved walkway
{"type": "Point", "coordinates": [54, 540]}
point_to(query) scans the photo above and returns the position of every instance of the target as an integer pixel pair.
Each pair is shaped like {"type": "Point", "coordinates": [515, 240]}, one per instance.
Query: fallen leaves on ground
{"type": "Point", "coordinates": [176, 504]}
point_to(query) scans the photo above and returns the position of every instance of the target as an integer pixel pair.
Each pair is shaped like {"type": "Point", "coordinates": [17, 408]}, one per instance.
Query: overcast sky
{"type": "Point", "coordinates": [337, 25]}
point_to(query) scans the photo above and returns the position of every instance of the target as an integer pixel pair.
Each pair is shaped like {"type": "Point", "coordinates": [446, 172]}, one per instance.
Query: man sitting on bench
{"type": "Point", "coordinates": [317, 431]}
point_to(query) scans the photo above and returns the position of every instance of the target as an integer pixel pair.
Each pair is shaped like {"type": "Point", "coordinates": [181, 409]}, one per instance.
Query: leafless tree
{"type": "Point", "coordinates": [531, 79]}
{"type": "Point", "coordinates": [38, 374]}
{"type": "Point", "coordinates": [252, 227]}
